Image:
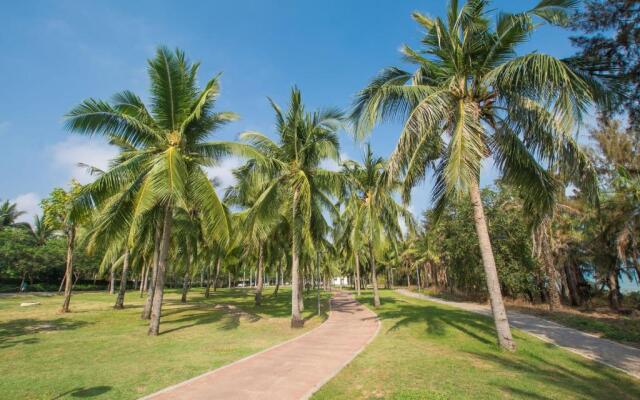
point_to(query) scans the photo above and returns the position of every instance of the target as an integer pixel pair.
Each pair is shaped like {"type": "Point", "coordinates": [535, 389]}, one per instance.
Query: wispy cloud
{"type": "Point", "coordinates": [30, 204]}
{"type": "Point", "coordinates": [68, 153]}
{"type": "Point", "coordinates": [224, 172]}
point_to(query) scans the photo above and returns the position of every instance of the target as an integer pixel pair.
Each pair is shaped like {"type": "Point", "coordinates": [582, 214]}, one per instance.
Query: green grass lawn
{"type": "Point", "coordinates": [429, 351]}
{"type": "Point", "coordinates": [97, 352]}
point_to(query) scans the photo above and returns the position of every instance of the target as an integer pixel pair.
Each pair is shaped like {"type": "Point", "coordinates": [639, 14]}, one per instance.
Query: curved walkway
{"type": "Point", "coordinates": [290, 370]}
{"type": "Point", "coordinates": [613, 354]}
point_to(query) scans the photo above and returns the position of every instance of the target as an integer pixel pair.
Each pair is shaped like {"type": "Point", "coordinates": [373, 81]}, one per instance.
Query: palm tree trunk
{"type": "Point", "coordinates": [296, 319]}
{"type": "Point", "coordinates": [207, 290]}
{"type": "Point", "coordinates": [143, 281]}
{"type": "Point", "coordinates": [186, 280]}
{"type": "Point", "coordinates": [614, 290]}
{"type": "Point", "coordinates": [374, 280]}
{"type": "Point", "coordinates": [71, 237]}
{"type": "Point", "coordinates": [215, 281]}
{"type": "Point", "coordinates": [493, 284]}
{"type": "Point", "coordinates": [278, 278]}
{"type": "Point", "coordinates": [112, 280]}
{"type": "Point", "coordinates": [156, 305]}
{"type": "Point", "coordinates": [146, 312]}
{"type": "Point", "coordinates": [123, 282]}
{"type": "Point", "coordinates": [301, 292]}
{"type": "Point", "coordinates": [357, 257]}
{"type": "Point", "coordinates": [260, 275]}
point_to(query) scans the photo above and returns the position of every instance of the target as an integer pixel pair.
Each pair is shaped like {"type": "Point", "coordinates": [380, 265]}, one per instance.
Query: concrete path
{"type": "Point", "coordinates": [291, 370]}
{"type": "Point", "coordinates": [620, 356]}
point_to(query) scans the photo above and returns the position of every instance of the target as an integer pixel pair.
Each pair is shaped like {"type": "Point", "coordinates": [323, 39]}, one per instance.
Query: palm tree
{"type": "Point", "coordinates": [9, 214]}
{"type": "Point", "coordinates": [40, 231]}
{"type": "Point", "coordinates": [161, 168]}
{"type": "Point", "coordinates": [296, 187]}
{"type": "Point", "coordinates": [472, 96]}
{"type": "Point", "coordinates": [373, 209]}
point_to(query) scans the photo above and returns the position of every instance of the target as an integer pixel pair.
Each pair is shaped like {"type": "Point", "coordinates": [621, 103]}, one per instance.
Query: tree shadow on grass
{"type": "Point", "coordinates": [11, 331]}
{"type": "Point", "coordinates": [604, 383]}
{"type": "Point", "coordinates": [84, 392]}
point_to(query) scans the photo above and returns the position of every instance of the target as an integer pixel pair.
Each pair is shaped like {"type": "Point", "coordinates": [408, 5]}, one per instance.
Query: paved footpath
{"type": "Point", "coordinates": [292, 370]}
{"type": "Point", "coordinates": [620, 356]}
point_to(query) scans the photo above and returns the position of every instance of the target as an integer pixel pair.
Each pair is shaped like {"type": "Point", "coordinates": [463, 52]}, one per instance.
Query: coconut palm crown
{"type": "Point", "coordinates": [472, 96]}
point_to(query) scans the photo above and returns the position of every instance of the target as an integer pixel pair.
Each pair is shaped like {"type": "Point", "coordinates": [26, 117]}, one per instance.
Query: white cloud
{"type": "Point", "coordinates": [223, 172]}
{"type": "Point", "coordinates": [30, 204]}
{"type": "Point", "coordinates": [68, 153]}
{"type": "Point", "coordinates": [332, 165]}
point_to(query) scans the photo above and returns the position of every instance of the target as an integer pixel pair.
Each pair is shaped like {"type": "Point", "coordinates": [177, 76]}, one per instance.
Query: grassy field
{"type": "Point", "coordinates": [100, 353]}
{"type": "Point", "coordinates": [429, 351]}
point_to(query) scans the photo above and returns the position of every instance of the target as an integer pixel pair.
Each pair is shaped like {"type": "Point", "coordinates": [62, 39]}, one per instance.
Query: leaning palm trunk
{"type": "Point", "coordinates": [156, 305]}
{"type": "Point", "coordinates": [357, 257]}
{"type": "Point", "coordinates": [493, 285]}
{"type": "Point", "coordinates": [71, 236]}
{"type": "Point", "coordinates": [123, 282]}
{"type": "Point", "coordinates": [296, 319]}
{"type": "Point", "coordinates": [215, 280]}
{"type": "Point", "coordinates": [260, 273]}
{"type": "Point", "coordinates": [146, 313]}
{"type": "Point", "coordinates": [374, 280]}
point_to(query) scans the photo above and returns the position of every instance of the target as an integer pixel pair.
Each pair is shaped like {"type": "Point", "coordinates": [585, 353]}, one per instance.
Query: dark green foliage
{"type": "Point", "coordinates": [455, 239]}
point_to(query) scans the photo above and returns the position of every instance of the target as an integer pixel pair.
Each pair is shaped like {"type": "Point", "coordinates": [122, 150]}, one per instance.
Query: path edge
{"type": "Point", "coordinates": [343, 365]}
{"type": "Point", "coordinates": [539, 337]}
{"type": "Point", "coordinates": [250, 356]}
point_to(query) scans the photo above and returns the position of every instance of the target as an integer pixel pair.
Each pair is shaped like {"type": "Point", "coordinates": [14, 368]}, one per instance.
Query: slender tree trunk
{"type": "Point", "coordinates": [143, 281]}
{"type": "Point", "coordinates": [260, 275]}
{"type": "Point", "coordinates": [296, 318]}
{"type": "Point", "coordinates": [207, 290]}
{"type": "Point", "coordinates": [146, 313]}
{"type": "Point", "coordinates": [156, 306]}
{"type": "Point", "coordinates": [112, 280]}
{"type": "Point", "coordinates": [542, 237]}
{"type": "Point", "coordinates": [215, 281]}
{"type": "Point", "coordinates": [572, 284]}
{"type": "Point", "coordinates": [123, 282]}
{"type": "Point", "coordinates": [64, 279]}
{"type": "Point", "coordinates": [71, 238]}
{"type": "Point", "coordinates": [614, 290]}
{"type": "Point", "coordinates": [229, 280]}
{"type": "Point", "coordinates": [278, 278]}
{"type": "Point", "coordinates": [374, 279]}
{"type": "Point", "coordinates": [186, 280]}
{"type": "Point", "coordinates": [358, 282]}
{"type": "Point", "coordinates": [301, 292]}
{"type": "Point", "coordinates": [493, 285]}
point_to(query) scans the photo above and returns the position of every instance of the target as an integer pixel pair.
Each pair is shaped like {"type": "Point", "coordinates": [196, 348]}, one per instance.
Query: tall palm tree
{"type": "Point", "coordinates": [166, 152]}
{"type": "Point", "coordinates": [472, 96]}
{"type": "Point", "coordinates": [296, 186]}
{"type": "Point", "coordinates": [375, 213]}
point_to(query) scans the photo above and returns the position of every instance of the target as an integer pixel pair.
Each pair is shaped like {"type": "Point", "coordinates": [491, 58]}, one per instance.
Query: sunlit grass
{"type": "Point", "coordinates": [102, 353]}
{"type": "Point", "coordinates": [430, 351]}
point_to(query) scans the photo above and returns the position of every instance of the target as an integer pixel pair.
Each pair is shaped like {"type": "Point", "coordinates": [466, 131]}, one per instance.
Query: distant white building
{"type": "Point", "coordinates": [340, 281]}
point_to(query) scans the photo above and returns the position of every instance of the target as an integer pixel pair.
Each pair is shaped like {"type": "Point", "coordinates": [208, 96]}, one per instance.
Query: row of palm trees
{"type": "Point", "coordinates": [469, 96]}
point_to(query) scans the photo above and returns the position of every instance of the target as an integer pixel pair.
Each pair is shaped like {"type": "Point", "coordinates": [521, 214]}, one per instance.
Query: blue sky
{"type": "Point", "coordinates": [58, 53]}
